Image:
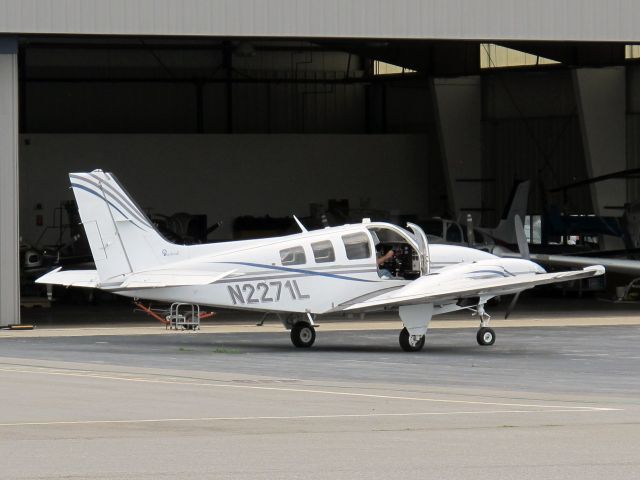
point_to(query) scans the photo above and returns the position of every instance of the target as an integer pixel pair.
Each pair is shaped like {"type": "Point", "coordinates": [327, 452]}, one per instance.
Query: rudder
{"type": "Point", "coordinates": [121, 237]}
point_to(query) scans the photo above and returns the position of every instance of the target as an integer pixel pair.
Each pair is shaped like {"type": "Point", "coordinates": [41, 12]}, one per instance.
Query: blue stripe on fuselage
{"type": "Point", "coordinates": [296, 270]}
{"type": "Point", "coordinates": [498, 272]}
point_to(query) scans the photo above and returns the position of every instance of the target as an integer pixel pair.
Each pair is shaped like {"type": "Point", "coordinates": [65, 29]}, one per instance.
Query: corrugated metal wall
{"type": "Point", "coordinates": [569, 20]}
{"type": "Point", "coordinates": [633, 129]}
{"type": "Point", "coordinates": [547, 151]}
{"type": "Point", "coordinates": [142, 90]}
{"type": "Point", "coordinates": [633, 154]}
{"type": "Point", "coordinates": [531, 131]}
{"type": "Point", "coordinates": [9, 242]}
{"type": "Point", "coordinates": [166, 107]}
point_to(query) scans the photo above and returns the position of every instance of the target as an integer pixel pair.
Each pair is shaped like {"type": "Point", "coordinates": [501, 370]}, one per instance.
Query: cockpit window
{"type": "Point", "coordinates": [293, 256]}
{"type": "Point", "coordinates": [323, 251]}
{"type": "Point", "coordinates": [357, 246]}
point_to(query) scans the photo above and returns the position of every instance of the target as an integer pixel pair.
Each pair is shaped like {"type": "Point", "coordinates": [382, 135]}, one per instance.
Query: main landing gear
{"type": "Point", "coordinates": [486, 336]}
{"type": "Point", "coordinates": [303, 334]}
{"type": "Point", "coordinates": [302, 327]}
{"type": "Point", "coordinates": [411, 343]}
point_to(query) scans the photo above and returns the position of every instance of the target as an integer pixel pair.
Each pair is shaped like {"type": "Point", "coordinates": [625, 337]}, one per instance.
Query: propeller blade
{"type": "Point", "coordinates": [523, 246]}
{"type": "Point", "coordinates": [511, 306]}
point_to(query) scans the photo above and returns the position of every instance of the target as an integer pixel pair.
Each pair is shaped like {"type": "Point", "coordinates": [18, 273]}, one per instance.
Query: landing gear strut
{"type": "Point", "coordinates": [486, 336]}
{"type": "Point", "coordinates": [411, 343]}
{"type": "Point", "coordinates": [303, 335]}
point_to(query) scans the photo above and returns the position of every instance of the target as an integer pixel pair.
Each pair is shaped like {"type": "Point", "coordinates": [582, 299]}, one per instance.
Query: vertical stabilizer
{"type": "Point", "coordinates": [121, 237]}
{"type": "Point", "coordinates": [517, 207]}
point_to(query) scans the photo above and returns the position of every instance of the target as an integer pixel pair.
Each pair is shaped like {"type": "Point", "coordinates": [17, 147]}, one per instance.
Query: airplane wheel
{"type": "Point", "coordinates": [486, 336]}
{"type": "Point", "coordinates": [188, 318]}
{"type": "Point", "coordinates": [303, 335]}
{"type": "Point", "coordinates": [409, 345]}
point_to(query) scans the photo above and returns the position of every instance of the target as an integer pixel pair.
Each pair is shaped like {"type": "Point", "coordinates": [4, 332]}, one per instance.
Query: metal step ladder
{"type": "Point", "coordinates": [183, 316]}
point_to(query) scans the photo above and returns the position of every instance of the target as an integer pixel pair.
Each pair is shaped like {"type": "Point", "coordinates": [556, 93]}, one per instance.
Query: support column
{"type": "Point", "coordinates": [458, 105]}
{"type": "Point", "coordinates": [601, 99]}
{"type": "Point", "coordinates": [9, 246]}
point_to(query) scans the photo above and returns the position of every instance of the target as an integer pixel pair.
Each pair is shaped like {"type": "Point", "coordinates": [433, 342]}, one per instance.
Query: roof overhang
{"type": "Point", "coordinates": [478, 20]}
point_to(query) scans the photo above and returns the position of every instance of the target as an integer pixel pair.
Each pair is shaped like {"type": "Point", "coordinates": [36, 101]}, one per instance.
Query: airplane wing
{"type": "Point", "coordinates": [71, 278]}
{"type": "Point", "coordinates": [150, 279]}
{"type": "Point", "coordinates": [429, 289]}
{"type": "Point", "coordinates": [617, 265]}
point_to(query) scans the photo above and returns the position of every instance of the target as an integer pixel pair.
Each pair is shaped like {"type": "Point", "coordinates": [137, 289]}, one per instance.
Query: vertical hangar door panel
{"type": "Point", "coordinates": [9, 231]}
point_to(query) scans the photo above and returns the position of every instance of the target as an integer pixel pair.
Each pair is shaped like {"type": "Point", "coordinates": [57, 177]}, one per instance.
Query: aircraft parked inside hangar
{"type": "Point", "coordinates": [297, 276]}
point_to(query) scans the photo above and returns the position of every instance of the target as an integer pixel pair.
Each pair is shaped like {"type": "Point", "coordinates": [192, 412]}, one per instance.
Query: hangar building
{"type": "Point", "coordinates": [252, 107]}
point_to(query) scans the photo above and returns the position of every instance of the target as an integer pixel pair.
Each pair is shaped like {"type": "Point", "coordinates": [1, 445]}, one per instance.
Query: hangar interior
{"type": "Point", "coordinates": [174, 119]}
{"type": "Point", "coordinates": [229, 127]}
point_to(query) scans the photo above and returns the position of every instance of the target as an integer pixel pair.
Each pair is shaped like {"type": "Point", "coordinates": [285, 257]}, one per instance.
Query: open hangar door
{"type": "Point", "coordinates": [223, 128]}
{"type": "Point", "coordinates": [229, 128]}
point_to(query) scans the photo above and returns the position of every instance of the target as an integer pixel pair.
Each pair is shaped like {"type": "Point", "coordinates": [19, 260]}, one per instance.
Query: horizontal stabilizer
{"type": "Point", "coordinates": [171, 278]}
{"type": "Point", "coordinates": [427, 289]}
{"type": "Point", "coordinates": [151, 279]}
{"type": "Point", "coordinates": [70, 278]}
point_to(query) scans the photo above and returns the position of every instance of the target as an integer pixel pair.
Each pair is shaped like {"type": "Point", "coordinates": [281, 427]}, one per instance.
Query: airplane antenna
{"type": "Point", "coordinates": [302, 227]}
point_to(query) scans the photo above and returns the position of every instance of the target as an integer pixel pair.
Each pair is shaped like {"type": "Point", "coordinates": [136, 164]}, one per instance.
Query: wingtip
{"type": "Point", "coordinates": [597, 269]}
{"type": "Point", "coordinates": [43, 278]}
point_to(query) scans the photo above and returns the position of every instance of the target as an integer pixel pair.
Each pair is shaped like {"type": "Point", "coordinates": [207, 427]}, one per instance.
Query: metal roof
{"type": "Point", "coordinates": [550, 20]}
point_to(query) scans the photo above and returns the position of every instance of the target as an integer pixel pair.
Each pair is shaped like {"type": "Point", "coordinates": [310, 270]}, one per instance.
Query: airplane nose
{"type": "Point", "coordinates": [538, 268]}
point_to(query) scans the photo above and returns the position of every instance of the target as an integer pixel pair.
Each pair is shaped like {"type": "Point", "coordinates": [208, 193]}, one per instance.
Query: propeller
{"type": "Point", "coordinates": [523, 248]}
{"type": "Point", "coordinates": [512, 305]}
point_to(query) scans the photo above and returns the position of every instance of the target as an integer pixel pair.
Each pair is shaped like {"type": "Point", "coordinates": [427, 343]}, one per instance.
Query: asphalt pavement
{"type": "Point", "coordinates": [547, 402]}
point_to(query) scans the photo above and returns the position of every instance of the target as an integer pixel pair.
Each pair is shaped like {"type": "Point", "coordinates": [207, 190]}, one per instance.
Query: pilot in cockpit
{"type": "Point", "coordinates": [381, 258]}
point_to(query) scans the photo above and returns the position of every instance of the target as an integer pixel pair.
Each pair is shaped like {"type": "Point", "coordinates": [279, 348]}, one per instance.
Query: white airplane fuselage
{"type": "Point", "coordinates": [259, 281]}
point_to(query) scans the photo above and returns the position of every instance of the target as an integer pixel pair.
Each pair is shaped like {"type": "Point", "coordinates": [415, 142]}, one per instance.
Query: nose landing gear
{"type": "Point", "coordinates": [486, 336]}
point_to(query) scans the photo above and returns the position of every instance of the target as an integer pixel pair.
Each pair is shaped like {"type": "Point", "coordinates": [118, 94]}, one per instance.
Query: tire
{"type": "Point", "coordinates": [188, 317]}
{"type": "Point", "coordinates": [486, 336]}
{"type": "Point", "coordinates": [406, 344]}
{"type": "Point", "coordinates": [303, 335]}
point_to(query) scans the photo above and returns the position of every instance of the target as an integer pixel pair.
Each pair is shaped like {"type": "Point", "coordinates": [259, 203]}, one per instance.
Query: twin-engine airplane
{"type": "Point", "coordinates": [296, 276]}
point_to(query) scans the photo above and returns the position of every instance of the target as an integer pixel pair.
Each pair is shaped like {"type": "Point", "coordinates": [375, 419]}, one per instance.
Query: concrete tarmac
{"type": "Point", "coordinates": [545, 402]}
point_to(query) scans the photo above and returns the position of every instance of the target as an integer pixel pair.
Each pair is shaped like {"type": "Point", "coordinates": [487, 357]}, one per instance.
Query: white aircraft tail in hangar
{"type": "Point", "coordinates": [297, 276]}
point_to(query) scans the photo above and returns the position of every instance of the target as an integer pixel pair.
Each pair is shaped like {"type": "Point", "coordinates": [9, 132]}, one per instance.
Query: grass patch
{"type": "Point", "coordinates": [226, 350]}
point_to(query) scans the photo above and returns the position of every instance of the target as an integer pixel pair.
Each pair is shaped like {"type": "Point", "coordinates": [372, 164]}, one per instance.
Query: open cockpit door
{"type": "Point", "coordinates": [408, 261]}
{"type": "Point", "coordinates": [423, 244]}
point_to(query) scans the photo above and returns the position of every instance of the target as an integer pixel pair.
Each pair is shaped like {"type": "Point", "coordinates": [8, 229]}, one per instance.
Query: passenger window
{"type": "Point", "coordinates": [292, 256]}
{"type": "Point", "coordinates": [357, 246]}
{"type": "Point", "coordinates": [323, 251]}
